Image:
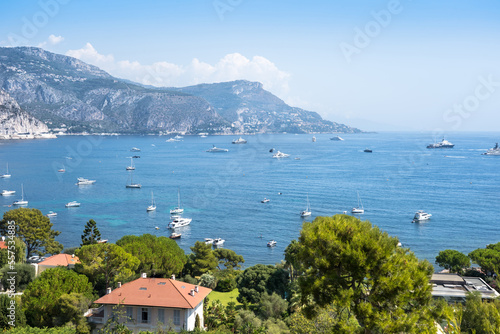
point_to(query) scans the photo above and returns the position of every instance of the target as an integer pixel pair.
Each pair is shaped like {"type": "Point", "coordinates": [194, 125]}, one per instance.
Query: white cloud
{"type": "Point", "coordinates": [52, 40]}
{"type": "Point", "coordinates": [232, 66]}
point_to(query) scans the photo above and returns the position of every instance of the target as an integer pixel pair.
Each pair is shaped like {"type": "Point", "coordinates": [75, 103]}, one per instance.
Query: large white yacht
{"type": "Point", "coordinates": [217, 149]}
{"type": "Point", "coordinates": [83, 181]}
{"type": "Point", "coordinates": [8, 192]}
{"type": "Point", "coordinates": [239, 141]}
{"type": "Point", "coordinates": [218, 242]}
{"type": "Point", "coordinates": [420, 216]}
{"type": "Point", "coordinates": [279, 155]}
{"type": "Point", "coordinates": [442, 144]}
{"type": "Point", "coordinates": [72, 204]}
{"type": "Point", "coordinates": [178, 221]}
{"type": "Point", "coordinates": [493, 151]}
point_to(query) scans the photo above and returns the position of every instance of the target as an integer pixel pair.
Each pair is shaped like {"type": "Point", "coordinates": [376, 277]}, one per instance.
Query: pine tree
{"type": "Point", "coordinates": [91, 234]}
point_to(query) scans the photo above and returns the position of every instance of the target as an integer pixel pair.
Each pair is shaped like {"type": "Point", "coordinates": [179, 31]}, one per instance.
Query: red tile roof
{"type": "Point", "coordinates": [3, 245]}
{"type": "Point", "coordinates": [156, 292]}
{"type": "Point", "coordinates": [60, 260]}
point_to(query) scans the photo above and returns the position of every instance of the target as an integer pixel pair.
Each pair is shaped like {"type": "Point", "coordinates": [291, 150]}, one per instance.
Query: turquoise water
{"type": "Point", "coordinates": [221, 192]}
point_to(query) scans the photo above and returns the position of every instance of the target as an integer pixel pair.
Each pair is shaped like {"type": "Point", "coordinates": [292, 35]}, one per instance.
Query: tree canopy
{"type": "Point", "coordinates": [91, 234]}
{"type": "Point", "coordinates": [19, 251]}
{"type": "Point", "coordinates": [201, 260]}
{"type": "Point", "coordinates": [487, 258]}
{"type": "Point", "coordinates": [34, 229]}
{"type": "Point", "coordinates": [228, 258]}
{"type": "Point", "coordinates": [159, 256]}
{"type": "Point", "coordinates": [359, 267]}
{"type": "Point", "coordinates": [261, 279]}
{"type": "Point", "coordinates": [453, 260]}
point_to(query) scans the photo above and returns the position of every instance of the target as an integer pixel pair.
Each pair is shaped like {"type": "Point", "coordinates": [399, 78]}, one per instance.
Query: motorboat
{"type": "Point", "coordinates": [493, 151]}
{"type": "Point", "coordinates": [170, 140]}
{"type": "Point", "coordinates": [421, 216]}
{"type": "Point", "coordinates": [279, 155]}
{"type": "Point", "coordinates": [336, 138]}
{"type": "Point", "coordinates": [271, 243]}
{"type": "Point", "coordinates": [218, 242]}
{"type": "Point", "coordinates": [209, 241]}
{"type": "Point", "coordinates": [51, 214]}
{"type": "Point", "coordinates": [217, 150]}
{"type": "Point", "coordinates": [6, 175]}
{"type": "Point", "coordinates": [8, 192]}
{"type": "Point", "coordinates": [136, 157]}
{"type": "Point", "coordinates": [178, 221]}
{"type": "Point", "coordinates": [265, 200]}
{"type": "Point", "coordinates": [152, 207]}
{"type": "Point", "coordinates": [83, 181]}
{"type": "Point", "coordinates": [131, 167]}
{"type": "Point", "coordinates": [442, 144]}
{"type": "Point", "coordinates": [307, 211]}
{"type": "Point", "coordinates": [22, 201]}
{"type": "Point", "coordinates": [178, 137]}
{"type": "Point", "coordinates": [175, 235]}
{"type": "Point", "coordinates": [62, 170]}
{"type": "Point", "coordinates": [239, 141]}
{"type": "Point", "coordinates": [72, 204]}
{"type": "Point", "coordinates": [178, 209]}
{"type": "Point", "coordinates": [313, 139]}
{"type": "Point", "coordinates": [367, 150]}
{"type": "Point", "coordinates": [135, 149]}
{"type": "Point", "coordinates": [132, 184]}
{"type": "Point", "coordinates": [359, 209]}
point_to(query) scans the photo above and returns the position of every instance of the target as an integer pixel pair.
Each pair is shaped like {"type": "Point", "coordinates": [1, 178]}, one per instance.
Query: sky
{"type": "Point", "coordinates": [392, 65]}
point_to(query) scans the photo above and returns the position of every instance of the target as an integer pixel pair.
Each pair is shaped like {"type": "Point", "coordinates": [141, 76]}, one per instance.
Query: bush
{"type": "Point", "coordinates": [226, 280]}
{"type": "Point", "coordinates": [189, 279]}
{"type": "Point", "coordinates": [25, 274]}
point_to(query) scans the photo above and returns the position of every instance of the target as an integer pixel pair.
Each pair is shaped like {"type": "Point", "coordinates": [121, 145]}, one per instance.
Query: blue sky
{"type": "Point", "coordinates": [378, 65]}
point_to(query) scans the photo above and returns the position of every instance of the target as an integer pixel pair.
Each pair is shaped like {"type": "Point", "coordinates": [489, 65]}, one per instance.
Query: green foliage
{"type": "Point", "coordinates": [91, 234]}
{"type": "Point", "coordinates": [226, 280]}
{"type": "Point", "coordinates": [260, 279]}
{"type": "Point", "coordinates": [453, 260]}
{"type": "Point", "coordinates": [291, 260]}
{"type": "Point", "coordinates": [70, 250]}
{"type": "Point", "coordinates": [41, 300]}
{"type": "Point", "coordinates": [272, 306]}
{"type": "Point", "coordinates": [189, 279]}
{"type": "Point", "coordinates": [115, 323]}
{"type": "Point", "coordinates": [34, 330]}
{"type": "Point", "coordinates": [208, 280]}
{"type": "Point", "coordinates": [159, 256]}
{"type": "Point", "coordinates": [197, 321]}
{"type": "Point", "coordinates": [487, 258]}
{"type": "Point", "coordinates": [359, 267]}
{"type": "Point", "coordinates": [480, 317]}
{"type": "Point", "coordinates": [107, 261]}
{"type": "Point", "coordinates": [247, 322]}
{"type": "Point", "coordinates": [34, 229]}
{"type": "Point", "coordinates": [25, 273]}
{"type": "Point", "coordinates": [11, 312]}
{"type": "Point", "coordinates": [201, 260]}
{"type": "Point", "coordinates": [17, 248]}
{"type": "Point", "coordinates": [228, 258]}
{"type": "Point", "coordinates": [71, 309]}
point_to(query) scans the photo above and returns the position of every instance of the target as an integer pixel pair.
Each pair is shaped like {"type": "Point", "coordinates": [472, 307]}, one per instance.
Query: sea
{"type": "Point", "coordinates": [222, 192]}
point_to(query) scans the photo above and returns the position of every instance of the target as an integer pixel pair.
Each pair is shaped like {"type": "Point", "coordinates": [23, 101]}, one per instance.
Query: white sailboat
{"type": "Point", "coordinates": [131, 167]}
{"type": "Point", "coordinates": [6, 175]}
{"type": "Point", "coordinates": [307, 211]}
{"type": "Point", "coordinates": [178, 209]}
{"type": "Point", "coordinates": [359, 209]}
{"type": "Point", "coordinates": [152, 207]}
{"type": "Point", "coordinates": [132, 184]}
{"type": "Point", "coordinates": [22, 201]}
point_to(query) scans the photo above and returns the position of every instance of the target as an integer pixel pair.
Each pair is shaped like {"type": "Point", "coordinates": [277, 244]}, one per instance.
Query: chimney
{"type": "Point", "coordinates": [143, 275]}
{"type": "Point", "coordinates": [3, 238]}
{"type": "Point", "coordinates": [192, 292]}
{"type": "Point", "coordinates": [108, 291]}
{"type": "Point", "coordinates": [173, 277]}
{"type": "Point", "coordinates": [73, 255]}
{"type": "Point", "coordinates": [196, 288]}
{"type": "Point", "coordinates": [119, 284]}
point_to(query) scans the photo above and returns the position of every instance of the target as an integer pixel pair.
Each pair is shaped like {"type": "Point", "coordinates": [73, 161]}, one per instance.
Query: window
{"type": "Point", "coordinates": [130, 314]}
{"type": "Point", "coordinates": [161, 316]}
{"type": "Point", "coordinates": [144, 315]}
{"type": "Point", "coordinates": [177, 317]}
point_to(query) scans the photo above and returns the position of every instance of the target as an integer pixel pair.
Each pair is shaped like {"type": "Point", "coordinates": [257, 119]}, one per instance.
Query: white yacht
{"type": "Point", "coordinates": [217, 149]}
{"type": "Point", "coordinates": [51, 214]}
{"type": "Point", "coordinates": [72, 204]}
{"type": "Point", "coordinates": [178, 221]}
{"type": "Point", "coordinates": [271, 243]}
{"type": "Point", "coordinates": [265, 200]}
{"type": "Point", "coordinates": [178, 209]}
{"type": "Point", "coordinates": [421, 216]}
{"type": "Point", "coordinates": [493, 151]}
{"type": "Point", "coordinates": [442, 144]}
{"type": "Point", "coordinates": [279, 155]}
{"type": "Point", "coordinates": [218, 242]}
{"type": "Point", "coordinates": [135, 149]}
{"type": "Point", "coordinates": [336, 138]}
{"type": "Point", "coordinates": [6, 175]}
{"type": "Point", "coordinates": [8, 192]}
{"type": "Point", "coordinates": [131, 167]}
{"type": "Point", "coordinates": [307, 212]}
{"type": "Point", "coordinates": [209, 241]}
{"type": "Point", "coordinates": [152, 207]}
{"type": "Point", "coordinates": [178, 137]}
{"type": "Point", "coordinates": [239, 141]}
{"type": "Point", "coordinates": [132, 184]}
{"type": "Point", "coordinates": [359, 209]}
{"type": "Point", "coordinates": [170, 140]}
{"type": "Point", "coordinates": [22, 201]}
{"type": "Point", "coordinates": [83, 181]}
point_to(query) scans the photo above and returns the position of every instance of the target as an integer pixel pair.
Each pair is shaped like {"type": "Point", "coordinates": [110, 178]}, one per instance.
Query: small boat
{"type": "Point", "coordinates": [178, 221]}
{"type": "Point", "coordinates": [131, 167]}
{"type": "Point", "coordinates": [178, 137]}
{"type": "Point", "coordinates": [152, 207]}
{"type": "Point", "coordinates": [135, 149]}
{"type": "Point", "coordinates": [157, 227]}
{"type": "Point", "coordinates": [493, 151]}
{"type": "Point", "coordinates": [203, 136]}
{"type": "Point", "coordinates": [175, 235]}
{"type": "Point", "coordinates": [62, 170]}
{"type": "Point", "coordinates": [103, 241]}
{"type": "Point", "coordinates": [217, 149]}
{"type": "Point", "coordinates": [359, 209]}
{"type": "Point", "coordinates": [6, 175]}
{"type": "Point", "coordinates": [51, 214]}
{"type": "Point", "coordinates": [132, 184]}
{"type": "Point", "coordinates": [83, 181]}
{"type": "Point", "coordinates": [297, 158]}
{"type": "Point", "coordinates": [239, 141]}
{"type": "Point", "coordinates": [218, 242]}
{"type": "Point", "coordinates": [271, 243]}
{"type": "Point", "coordinates": [336, 138]}
{"type": "Point", "coordinates": [265, 200]}
{"type": "Point", "coordinates": [72, 204]}
{"type": "Point", "coordinates": [178, 209]}
{"type": "Point", "coordinates": [170, 140]}
{"type": "Point", "coordinates": [136, 157]}
{"type": "Point", "coordinates": [307, 211]}
{"type": "Point", "coordinates": [209, 241]}
{"type": "Point", "coordinates": [442, 144]}
{"type": "Point", "coordinates": [367, 150]}
{"type": "Point", "coordinates": [271, 150]}
{"type": "Point", "coordinates": [279, 155]}
{"type": "Point", "coordinates": [8, 192]}
{"type": "Point", "coordinates": [313, 139]}
{"type": "Point", "coordinates": [421, 216]}
{"type": "Point", "coordinates": [21, 201]}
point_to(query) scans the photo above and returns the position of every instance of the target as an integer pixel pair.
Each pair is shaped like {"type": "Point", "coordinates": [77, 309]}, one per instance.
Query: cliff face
{"type": "Point", "coordinates": [14, 120]}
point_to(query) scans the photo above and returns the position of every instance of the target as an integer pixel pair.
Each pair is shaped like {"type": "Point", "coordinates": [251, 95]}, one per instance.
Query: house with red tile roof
{"type": "Point", "coordinates": [57, 260]}
{"type": "Point", "coordinates": [150, 301]}
{"type": "Point", "coordinates": [3, 245]}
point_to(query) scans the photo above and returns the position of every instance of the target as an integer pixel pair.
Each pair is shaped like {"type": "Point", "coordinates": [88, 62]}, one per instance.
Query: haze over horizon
{"type": "Point", "coordinates": [375, 65]}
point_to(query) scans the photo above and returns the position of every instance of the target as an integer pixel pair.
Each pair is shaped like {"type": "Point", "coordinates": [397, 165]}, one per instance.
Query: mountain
{"type": "Point", "coordinates": [64, 92]}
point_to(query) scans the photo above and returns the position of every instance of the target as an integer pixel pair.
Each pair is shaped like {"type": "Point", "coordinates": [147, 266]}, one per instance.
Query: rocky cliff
{"type": "Point", "coordinates": [14, 120]}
